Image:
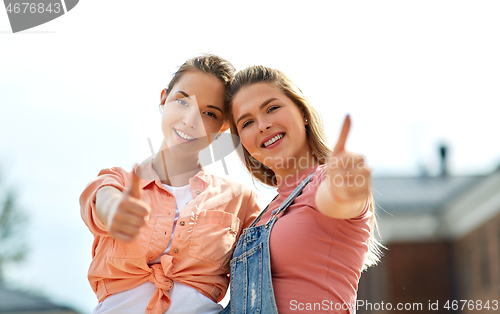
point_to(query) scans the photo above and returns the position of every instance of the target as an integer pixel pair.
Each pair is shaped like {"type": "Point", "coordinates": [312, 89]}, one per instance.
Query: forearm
{"type": "Point", "coordinates": [331, 207]}
{"type": "Point", "coordinates": [106, 201]}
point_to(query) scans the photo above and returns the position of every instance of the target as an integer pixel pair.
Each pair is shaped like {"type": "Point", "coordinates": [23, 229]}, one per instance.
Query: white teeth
{"type": "Point", "coordinates": [274, 139]}
{"type": "Point", "coordinates": [184, 136]}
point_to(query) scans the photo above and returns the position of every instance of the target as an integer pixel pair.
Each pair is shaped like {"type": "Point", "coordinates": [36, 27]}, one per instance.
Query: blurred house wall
{"type": "Point", "coordinates": [454, 256]}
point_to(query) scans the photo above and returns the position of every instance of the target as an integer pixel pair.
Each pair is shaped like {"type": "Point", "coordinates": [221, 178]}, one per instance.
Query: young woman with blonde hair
{"type": "Point", "coordinates": [307, 250]}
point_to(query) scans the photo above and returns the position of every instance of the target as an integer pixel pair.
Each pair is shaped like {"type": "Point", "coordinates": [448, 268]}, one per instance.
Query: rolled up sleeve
{"type": "Point", "coordinates": [114, 177]}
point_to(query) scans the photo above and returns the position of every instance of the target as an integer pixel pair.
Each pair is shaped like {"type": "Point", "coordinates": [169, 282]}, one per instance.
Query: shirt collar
{"type": "Point", "coordinates": [202, 175]}
{"type": "Point", "coordinates": [146, 172]}
{"type": "Point", "coordinates": [288, 184]}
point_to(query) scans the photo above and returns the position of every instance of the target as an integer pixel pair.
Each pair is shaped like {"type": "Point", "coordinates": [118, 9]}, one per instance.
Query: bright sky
{"type": "Point", "coordinates": [81, 93]}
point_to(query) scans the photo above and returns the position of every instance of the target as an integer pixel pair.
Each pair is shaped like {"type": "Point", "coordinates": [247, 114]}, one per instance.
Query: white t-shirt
{"type": "Point", "coordinates": [185, 299]}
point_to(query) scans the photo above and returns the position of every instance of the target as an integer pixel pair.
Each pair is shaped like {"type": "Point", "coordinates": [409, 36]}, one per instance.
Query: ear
{"type": "Point", "coordinates": [163, 96]}
{"type": "Point", "coordinates": [225, 127]}
{"type": "Point", "coordinates": [304, 117]}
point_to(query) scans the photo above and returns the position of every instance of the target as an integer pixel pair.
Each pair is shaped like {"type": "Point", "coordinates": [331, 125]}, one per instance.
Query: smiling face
{"type": "Point", "coordinates": [193, 113]}
{"type": "Point", "coordinates": [271, 127]}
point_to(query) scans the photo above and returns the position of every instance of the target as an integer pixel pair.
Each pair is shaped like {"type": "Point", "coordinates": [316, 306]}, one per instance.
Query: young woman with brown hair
{"type": "Point", "coordinates": [165, 232]}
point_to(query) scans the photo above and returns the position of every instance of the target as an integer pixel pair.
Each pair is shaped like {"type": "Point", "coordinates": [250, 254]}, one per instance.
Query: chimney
{"type": "Point", "coordinates": [443, 153]}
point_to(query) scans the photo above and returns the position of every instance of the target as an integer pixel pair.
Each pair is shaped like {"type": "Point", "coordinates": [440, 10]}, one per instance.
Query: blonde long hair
{"type": "Point", "coordinates": [316, 137]}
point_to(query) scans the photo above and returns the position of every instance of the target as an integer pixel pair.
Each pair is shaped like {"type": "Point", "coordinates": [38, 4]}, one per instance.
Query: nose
{"type": "Point", "coordinates": [192, 119]}
{"type": "Point", "coordinates": [264, 125]}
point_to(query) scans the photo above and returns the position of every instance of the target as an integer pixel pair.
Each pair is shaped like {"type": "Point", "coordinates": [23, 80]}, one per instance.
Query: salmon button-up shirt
{"type": "Point", "coordinates": [203, 242]}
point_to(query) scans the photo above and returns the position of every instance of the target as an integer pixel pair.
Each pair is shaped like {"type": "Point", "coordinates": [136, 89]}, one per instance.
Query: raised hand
{"type": "Point", "coordinates": [347, 180]}
{"type": "Point", "coordinates": [128, 213]}
{"type": "Point", "coordinates": [349, 176]}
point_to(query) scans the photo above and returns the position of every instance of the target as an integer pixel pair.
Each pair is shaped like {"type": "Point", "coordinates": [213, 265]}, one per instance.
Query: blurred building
{"type": "Point", "coordinates": [16, 302]}
{"type": "Point", "coordinates": [443, 239]}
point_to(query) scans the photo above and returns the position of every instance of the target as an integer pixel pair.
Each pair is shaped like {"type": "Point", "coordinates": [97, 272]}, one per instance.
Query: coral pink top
{"type": "Point", "coordinates": [316, 260]}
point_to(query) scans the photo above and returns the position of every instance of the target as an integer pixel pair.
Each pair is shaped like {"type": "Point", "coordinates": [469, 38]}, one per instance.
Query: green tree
{"type": "Point", "coordinates": [13, 222]}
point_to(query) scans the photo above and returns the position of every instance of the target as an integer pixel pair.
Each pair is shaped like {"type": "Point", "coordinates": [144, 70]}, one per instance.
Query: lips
{"type": "Point", "coordinates": [184, 136]}
{"type": "Point", "coordinates": [272, 139]}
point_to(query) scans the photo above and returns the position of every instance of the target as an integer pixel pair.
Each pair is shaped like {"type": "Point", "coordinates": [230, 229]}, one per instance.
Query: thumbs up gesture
{"type": "Point", "coordinates": [123, 213]}
{"type": "Point", "coordinates": [346, 187]}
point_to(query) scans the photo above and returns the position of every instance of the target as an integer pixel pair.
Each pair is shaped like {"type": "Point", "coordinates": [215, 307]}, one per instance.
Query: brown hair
{"type": "Point", "coordinates": [316, 137]}
{"type": "Point", "coordinates": [206, 63]}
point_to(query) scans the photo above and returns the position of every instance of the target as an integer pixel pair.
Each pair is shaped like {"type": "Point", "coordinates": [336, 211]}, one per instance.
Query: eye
{"type": "Point", "coordinates": [182, 102]}
{"type": "Point", "coordinates": [272, 108]}
{"type": "Point", "coordinates": [247, 123]}
{"type": "Point", "coordinates": [210, 114]}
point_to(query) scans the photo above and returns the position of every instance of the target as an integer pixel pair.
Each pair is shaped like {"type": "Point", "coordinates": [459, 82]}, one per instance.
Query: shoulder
{"type": "Point", "coordinates": [320, 171]}
{"type": "Point", "coordinates": [114, 171]}
{"type": "Point", "coordinates": [114, 176]}
{"type": "Point", "coordinates": [317, 177]}
{"type": "Point", "coordinates": [237, 187]}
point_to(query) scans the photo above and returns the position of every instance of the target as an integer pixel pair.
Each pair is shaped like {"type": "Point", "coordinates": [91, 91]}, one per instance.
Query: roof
{"type": "Point", "coordinates": [17, 301]}
{"type": "Point", "coordinates": [419, 195]}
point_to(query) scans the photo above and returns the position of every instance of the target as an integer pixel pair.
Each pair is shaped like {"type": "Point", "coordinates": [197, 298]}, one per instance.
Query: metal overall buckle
{"type": "Point", "coordinates": [273, 217]}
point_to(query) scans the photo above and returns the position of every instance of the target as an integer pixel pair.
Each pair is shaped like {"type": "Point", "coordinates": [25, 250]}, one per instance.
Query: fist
{"type": "Point", "coordinates": [128, 213]}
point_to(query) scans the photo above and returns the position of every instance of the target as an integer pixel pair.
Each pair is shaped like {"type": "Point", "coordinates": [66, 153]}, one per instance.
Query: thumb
{"type": "Point", "coordinates": [135, 188]}
{"type": "Point", "coordinates": [340, 146]}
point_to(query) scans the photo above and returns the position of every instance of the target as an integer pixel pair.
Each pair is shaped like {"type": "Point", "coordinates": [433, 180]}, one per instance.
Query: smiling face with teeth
{"type": "Point", "coordinates": [271, 126]}
{"type": "Point", "coordinates": [193, 113]}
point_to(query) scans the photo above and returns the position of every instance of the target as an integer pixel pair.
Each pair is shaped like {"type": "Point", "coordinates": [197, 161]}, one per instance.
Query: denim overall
{"type": "Point", "coordinates": [251, 281]}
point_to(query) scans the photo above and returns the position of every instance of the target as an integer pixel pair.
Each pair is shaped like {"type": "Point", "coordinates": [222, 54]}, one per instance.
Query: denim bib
{"type": "Point", "coordinates": [251, 280]}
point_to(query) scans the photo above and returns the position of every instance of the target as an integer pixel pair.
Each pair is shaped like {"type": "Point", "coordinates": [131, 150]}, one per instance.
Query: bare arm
{"type": "Point", "coordinates": [330, 207]}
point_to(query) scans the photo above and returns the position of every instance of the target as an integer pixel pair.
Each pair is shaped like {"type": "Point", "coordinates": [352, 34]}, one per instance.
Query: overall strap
{"type": "Point", "coordinates": [286, 203]}
{"type": "Point", "coordinates": [256, 220]}
{"type": "Point", "coordinates": [289, 200]}
{"type": "Point", "coordinates": [292, 196]}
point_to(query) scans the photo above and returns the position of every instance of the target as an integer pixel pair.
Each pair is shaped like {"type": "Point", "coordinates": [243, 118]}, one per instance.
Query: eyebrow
{"type": "Point", "coordinates": [183, 93]}
{"type": "Point", "coordinates": [188, 97]}
{"type": "Point", "coordinates": [214, 107]}
{"type": "Point", "coordinates": [260, 108]}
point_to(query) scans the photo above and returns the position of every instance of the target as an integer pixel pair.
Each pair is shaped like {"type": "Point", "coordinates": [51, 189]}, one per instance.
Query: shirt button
{"type": "Point", "coordinates": [197, 192]}
{"type": "Point", "coordinates": [195, 179]}
{"type": "Point", "coordinates": [182, 223]}
{"type": "Point", "coordinates": [176, 250]}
